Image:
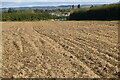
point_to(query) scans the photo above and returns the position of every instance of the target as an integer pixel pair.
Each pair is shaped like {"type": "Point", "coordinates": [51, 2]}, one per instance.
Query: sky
{"type": "Point", "coordinates": [59, 0]}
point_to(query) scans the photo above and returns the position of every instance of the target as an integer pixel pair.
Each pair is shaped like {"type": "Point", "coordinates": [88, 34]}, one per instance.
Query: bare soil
{"type": "Point", "coordinates": [60, 49]}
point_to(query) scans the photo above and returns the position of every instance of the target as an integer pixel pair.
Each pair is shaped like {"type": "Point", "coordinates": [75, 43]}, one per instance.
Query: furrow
{"type": "Point", "coordinates": [49, 39]}
{"type": "Point", "coordinates": [83, 57]}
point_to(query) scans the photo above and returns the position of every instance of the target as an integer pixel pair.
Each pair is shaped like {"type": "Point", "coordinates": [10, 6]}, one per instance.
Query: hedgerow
{"type": "Point", "coordinates": [26, 16]}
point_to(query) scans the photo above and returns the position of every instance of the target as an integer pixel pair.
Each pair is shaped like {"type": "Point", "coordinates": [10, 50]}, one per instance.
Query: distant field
{"type": "Point", "coordinates": [60, 49]}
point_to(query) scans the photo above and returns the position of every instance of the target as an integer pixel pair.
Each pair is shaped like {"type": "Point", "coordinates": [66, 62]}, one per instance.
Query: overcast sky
{"type": "Point", "coordinates": [59, 0]}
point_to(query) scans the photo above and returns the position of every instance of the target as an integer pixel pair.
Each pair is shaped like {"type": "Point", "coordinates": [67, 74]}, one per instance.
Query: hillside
{"type": "Point", "coordinates": [105, 12]}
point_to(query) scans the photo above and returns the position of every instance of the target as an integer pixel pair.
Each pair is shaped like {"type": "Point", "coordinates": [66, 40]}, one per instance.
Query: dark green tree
{"type": "Point", "coordinates": [78, 5]}
{"type": "Point", "coordinates": [10, 10]}
{"type": "Point", "coordinates": [72, 6]}
{"type": "Point", "coordinates": [91, 6]}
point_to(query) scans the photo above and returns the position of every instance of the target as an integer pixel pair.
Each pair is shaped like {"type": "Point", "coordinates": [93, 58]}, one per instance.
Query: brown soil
{"type": "Point", "coordinates": [60, 49]}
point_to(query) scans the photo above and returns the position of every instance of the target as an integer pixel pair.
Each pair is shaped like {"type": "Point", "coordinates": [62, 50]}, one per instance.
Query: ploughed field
{"type": "Point", "coordinates": [60, 49]}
